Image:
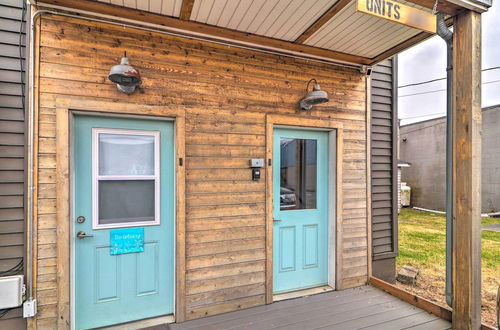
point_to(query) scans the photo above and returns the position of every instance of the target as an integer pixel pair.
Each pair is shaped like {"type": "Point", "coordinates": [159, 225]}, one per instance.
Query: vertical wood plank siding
{"type": "Point", "coordinates": [384, 160]}
{"type": "Point", "coordinates": [11, 147]}
{"type": "Point", "coordinates": [226, 94]}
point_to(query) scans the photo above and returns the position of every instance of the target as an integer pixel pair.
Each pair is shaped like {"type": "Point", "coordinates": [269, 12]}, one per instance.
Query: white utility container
{"type": "Point", "coordinates": [405, 195]}
{"type": "Point", "coordinates": [11, 291]}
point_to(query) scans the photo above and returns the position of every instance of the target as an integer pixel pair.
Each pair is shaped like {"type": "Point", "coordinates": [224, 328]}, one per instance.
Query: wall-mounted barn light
{"type": "Point", "coordinates": [125, 76]}
{"type": "Point", "coordinates": [316, 96]}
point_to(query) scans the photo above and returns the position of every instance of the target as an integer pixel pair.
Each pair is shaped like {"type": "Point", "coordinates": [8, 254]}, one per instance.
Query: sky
{"type": "Point", "coordinates": [427, 61]}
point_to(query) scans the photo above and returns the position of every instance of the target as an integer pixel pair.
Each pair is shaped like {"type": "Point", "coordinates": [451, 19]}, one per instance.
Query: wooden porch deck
{"type": "Point", "coordinates": [359, 308]}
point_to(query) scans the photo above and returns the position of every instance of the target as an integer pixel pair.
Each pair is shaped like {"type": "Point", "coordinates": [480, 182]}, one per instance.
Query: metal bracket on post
{"type": "Point", "coordinates": [366, 70]}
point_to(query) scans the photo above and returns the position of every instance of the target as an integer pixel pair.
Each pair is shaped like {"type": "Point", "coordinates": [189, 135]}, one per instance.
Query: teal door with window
{"type": "Point", "coordinates": [123, 220]}
{"type": "Point", "coordinates": [300, 209]}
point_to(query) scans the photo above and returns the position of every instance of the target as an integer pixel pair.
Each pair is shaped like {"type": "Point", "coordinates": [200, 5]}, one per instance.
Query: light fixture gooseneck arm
{"type": "Point", "coordinates": [307, 87]}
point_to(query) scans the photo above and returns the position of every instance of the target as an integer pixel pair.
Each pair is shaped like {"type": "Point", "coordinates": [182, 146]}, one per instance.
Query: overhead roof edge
{"type": "Point", "coordinates": [479, 6]}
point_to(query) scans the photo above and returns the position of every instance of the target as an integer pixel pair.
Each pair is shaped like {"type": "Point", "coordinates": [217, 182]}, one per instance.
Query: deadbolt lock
{"type": "Point", "coordinates": [80, 219]}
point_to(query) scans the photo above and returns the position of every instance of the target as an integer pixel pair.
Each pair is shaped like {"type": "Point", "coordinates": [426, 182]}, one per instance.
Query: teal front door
{"type": "Point", "coordinates": [123, 220]}
{"type": "Point", "coordinates": [300, 209]}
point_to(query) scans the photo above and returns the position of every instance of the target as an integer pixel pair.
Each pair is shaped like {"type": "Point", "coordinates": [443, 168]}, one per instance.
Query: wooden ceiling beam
{"type": "Point", "coordinates": [186, 9]}
{"type": "Point", "coordinates": [320, 22]}
{"type": "Point", "coordinates": [209, 31]}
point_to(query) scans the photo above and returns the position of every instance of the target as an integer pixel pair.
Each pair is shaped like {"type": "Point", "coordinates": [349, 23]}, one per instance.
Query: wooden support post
{"type": "Point", "coordinates": [467, 171]}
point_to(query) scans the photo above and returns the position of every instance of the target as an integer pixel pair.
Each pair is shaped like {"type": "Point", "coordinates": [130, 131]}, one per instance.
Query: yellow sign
{"type": "Point", "coordinates": [398, 12]}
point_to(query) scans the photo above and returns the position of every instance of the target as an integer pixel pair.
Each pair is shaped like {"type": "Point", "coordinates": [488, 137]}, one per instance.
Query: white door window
{"type": "Point", "coordinates": [126, 178]}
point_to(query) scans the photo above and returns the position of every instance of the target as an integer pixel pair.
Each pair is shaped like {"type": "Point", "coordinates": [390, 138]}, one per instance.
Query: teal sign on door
{"type": "Point", "coordinates": [123, 220]}
{"type": "Point", "coordinates": [300, 214]}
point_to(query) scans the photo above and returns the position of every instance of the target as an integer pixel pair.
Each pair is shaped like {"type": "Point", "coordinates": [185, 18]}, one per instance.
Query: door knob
{"type": "Point", "coordinates": [277, 220]}
{"type": "Point", "coordinates": [81, 234]}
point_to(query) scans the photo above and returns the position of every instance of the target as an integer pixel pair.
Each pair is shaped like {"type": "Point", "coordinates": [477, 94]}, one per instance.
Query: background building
{"type": "Point", "coordinates": [423, 144]}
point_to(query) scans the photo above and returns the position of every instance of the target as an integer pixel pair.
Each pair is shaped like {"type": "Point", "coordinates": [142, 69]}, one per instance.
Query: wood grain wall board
{"type": "Point", "coordinates": [156, 45]}
{"type": "Point", "coordinates": [190, 27]}
{"type": "Point", "coordinates": [224, 95]}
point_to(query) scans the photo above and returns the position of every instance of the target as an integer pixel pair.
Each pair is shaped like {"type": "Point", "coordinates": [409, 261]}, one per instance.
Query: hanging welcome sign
{"type": "Point", "coordinates": [398, 12]}
{"type": "Point", "coordinates": [126, 240]}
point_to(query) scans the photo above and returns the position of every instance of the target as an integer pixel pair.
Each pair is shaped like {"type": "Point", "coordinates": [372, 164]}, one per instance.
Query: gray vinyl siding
{"type": "Point", "coordinates": [384, 160]}
{"type": "Point", "coordinates": [12, 144]}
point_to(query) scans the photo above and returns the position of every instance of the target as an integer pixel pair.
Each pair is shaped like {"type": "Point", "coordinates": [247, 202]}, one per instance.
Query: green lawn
{"type": "Point", "coordinates": [422, 241]}
{"type": "Point", "coordinates": [422, 245]}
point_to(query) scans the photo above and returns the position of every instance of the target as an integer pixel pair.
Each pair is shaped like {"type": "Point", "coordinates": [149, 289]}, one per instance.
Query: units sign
{"type": "Point", "coordinates": [398, 12]}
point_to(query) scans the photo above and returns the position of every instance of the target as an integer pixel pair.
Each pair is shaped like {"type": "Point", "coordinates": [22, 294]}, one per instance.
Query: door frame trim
{"type": "Point", "coordinates": [66, 107]}
{"type": "Point", "coordinates": [335, 128]}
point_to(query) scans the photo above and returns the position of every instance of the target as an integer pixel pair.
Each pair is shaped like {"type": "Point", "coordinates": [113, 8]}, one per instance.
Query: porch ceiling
{"type": "Point", "coordinates": [360, 34]}
{"type": "Point", "coordinates": [327, 29]}
{"type": "Point", "coordinates": [280, 19]}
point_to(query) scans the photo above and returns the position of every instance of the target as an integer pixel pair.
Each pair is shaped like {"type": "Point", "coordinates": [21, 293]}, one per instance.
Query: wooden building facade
{"type": "Point", "coordinates": [189, 196]}
{"type": "Point", "coordinates": [226, 101]}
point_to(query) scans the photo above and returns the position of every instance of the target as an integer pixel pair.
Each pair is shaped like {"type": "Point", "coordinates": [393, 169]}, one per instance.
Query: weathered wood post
{"type": "Point", "coordinates": [467, 171]}
{"type": "Point", "coordinates": [498, 308]}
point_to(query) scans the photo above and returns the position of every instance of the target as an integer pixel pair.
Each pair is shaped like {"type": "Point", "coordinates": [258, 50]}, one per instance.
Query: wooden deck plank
{"type": "Point", "coordinates": [362, 307]}
{"type": "Point", "coordinates": [437, 324]}
{"type": "Point", "coordinates": [287, 318]}
{"type": "Point", "coordinates": [354, 319]}
{"type": "Point", "coordinates": [405, 322]}
{"type": "Point", "coordinates": [299, 312]}
{"type": "Point", "coordinates": [282, 305]}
